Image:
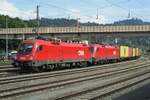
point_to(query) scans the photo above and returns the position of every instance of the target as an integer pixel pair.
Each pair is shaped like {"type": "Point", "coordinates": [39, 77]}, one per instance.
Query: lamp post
{"type": "Point", "coordinates": [6, 23]}
{"type": "Point", "coordinates": [26, 26]}
{"type": "Point", "coordinates": [78, 25]}
{"type": "Point", "coordinates": [38, 20]}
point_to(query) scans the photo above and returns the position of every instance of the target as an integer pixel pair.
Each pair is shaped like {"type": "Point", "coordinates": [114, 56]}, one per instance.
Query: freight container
{"type": "Point", "coordinates": [130, 52]}
{"type": "Point", "coordinates": [124, 51]}
{"type": "Point", "coordinates": [134, 52]}
{"type": "Point", "coordinates": [140, 52]}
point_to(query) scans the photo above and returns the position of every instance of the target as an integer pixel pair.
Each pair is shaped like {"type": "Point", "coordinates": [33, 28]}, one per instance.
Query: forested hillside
{"type": "Point", "coordinates": [59, 22]}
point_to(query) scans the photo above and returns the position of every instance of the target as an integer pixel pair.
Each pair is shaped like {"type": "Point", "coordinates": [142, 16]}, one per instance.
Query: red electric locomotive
{"type": "Point", "coordinates": [40, 54]}
{"type": "Point", "coordinates": [105, 53]}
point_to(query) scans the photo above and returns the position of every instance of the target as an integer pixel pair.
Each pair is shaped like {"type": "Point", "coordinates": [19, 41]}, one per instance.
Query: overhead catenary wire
{"type": "Point", "coordinates": [103, 7]}
{"type": "Point", "coordinates": [66, 10]}
{"type": "Point", "coordinates": [125, 9]}
{"type": "Point", "coordinates": [111, 4]}
{"type": "Point", "coordinates": [78, 13]}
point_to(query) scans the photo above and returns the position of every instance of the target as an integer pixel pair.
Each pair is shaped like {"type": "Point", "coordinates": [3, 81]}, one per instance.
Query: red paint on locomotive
{"type": "Point", "coordinates": [50, 52]}
{"type": "Point", "coordinates": [105, 52]}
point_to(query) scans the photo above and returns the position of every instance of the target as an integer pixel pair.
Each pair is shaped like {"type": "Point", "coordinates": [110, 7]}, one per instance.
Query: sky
{"type": "Point", "coordinates": [99, 11]}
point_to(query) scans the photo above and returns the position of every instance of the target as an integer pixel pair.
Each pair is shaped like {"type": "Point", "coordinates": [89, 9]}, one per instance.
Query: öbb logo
{"type": "Point", "coordinates": [81, 53]}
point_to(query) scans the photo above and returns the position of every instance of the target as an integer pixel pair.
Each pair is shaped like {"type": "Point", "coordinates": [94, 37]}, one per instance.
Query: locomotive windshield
{"type": "Point", "coordinates": [25, 48]}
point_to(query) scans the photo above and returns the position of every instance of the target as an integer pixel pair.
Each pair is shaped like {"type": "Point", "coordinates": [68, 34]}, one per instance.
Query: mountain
{"type": "Point", "coordinates": [59, 22]}
{"type": "Point", "coordinates": [63, 22]}
{"type": "Point", "coordinates": [133, 21]}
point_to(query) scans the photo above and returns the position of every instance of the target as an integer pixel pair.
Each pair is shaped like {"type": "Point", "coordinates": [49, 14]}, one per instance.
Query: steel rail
{"type": "Point", "coordinates": [64, 72]}
{"type": "Point", "coordinates": [65, 82]}
{"type": "Point", "coordinates": [109, 88]}
{"type": "Point", "coordinates": [47, 74]}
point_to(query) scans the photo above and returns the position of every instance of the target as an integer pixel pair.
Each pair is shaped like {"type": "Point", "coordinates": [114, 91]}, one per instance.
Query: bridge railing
{"type": "Point", "coordinates": [82, 29]}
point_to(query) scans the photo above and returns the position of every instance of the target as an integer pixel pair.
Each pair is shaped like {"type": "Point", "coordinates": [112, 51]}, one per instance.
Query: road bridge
{"type": "Point", "coordinates": [111, 30]}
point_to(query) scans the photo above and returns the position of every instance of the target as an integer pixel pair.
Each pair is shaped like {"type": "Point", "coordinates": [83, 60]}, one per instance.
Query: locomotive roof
{"type": "Point", "coordinates": [106, 46]}
{"type": "Point", "coordinates": [37, 41]}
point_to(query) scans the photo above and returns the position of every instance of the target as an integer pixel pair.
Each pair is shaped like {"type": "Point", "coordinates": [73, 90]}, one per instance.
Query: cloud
{"type": "Point", "coordinates": [107, 15]}
{"type": "Point", "coordinates": [7, 8]}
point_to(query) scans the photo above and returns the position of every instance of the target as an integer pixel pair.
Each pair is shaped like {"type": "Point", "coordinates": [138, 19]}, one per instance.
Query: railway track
{"type": "Point", "coordinates": [65, 72]}
{"type": "Point", "coordinates": [7, 70]}
{"type": "Point", "coordinates": [106, 87]}
{"type": "Point", "coordinates": [69, 83]}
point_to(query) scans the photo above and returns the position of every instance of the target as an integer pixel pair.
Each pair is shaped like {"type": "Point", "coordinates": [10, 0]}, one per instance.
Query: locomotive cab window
{"type": "Point", "coordinates": [97, 50]}
{"type": "Point", "coordinates": [25, 48]}
{"type": "Point", "coordinates": [40, 48]}
{"type": "Point", "coordinates": [91, 49]}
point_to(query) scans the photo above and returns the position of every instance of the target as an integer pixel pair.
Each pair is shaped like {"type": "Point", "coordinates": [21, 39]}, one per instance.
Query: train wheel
{"type": "Point", "coordinates": [84, 64]}
{"type": "Point", "coordinates": [38, 69]}
{"type": "Point", "coordinates": [52, 67]}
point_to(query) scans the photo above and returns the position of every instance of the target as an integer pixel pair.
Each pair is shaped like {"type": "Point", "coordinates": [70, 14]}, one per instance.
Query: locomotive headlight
{"type": "Point", "coordinates": [22, 58]}
{"type": "Point", "coordinates": [31, 58]}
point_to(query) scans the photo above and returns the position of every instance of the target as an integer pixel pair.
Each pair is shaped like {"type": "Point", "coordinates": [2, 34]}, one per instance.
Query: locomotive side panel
{"type": "Point", "coordinates": [112, 52]}
{"type": "Point", "coordinates": [99, 52]}
{"type": "Point", "coordinates": [105, 53]}
{"type": "Point", "coordinates": [48, 52]}
{"type": "Point", "coordinates": [75, 52]}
